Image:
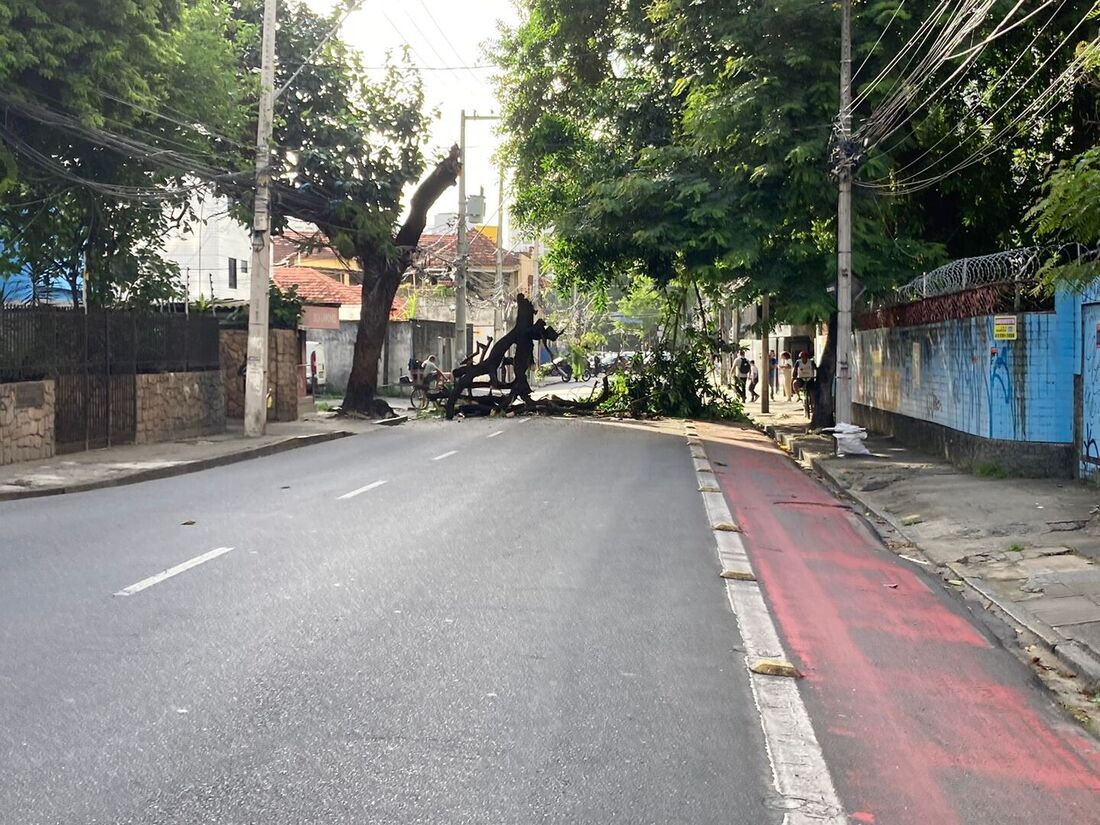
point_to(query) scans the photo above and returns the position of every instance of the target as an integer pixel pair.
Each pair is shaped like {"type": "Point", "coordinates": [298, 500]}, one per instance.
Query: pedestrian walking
{"type": "Point", "coordinates": [786, 371]}
{"type": "Point", "coordinates": [741, 370]}
{"type": "Point", "coordinates": [773, 374]}
{"type": "Point", "coordinates": [754, 379]}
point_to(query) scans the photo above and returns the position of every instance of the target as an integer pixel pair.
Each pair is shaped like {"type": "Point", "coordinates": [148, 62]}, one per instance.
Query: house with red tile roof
{"type": "Point", "coordinates": [317, 288]}
{"type": "Point", "coordinates": [303, 248]}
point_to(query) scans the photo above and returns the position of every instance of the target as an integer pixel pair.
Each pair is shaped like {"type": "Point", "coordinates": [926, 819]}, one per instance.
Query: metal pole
{"type": "Point", "coordinates": [463, 252]}
{"type": "Point", "coordinates": [255, 388]}
{"type": "Point", "coordinates": [765, 397]}
{"type": "Point", "coordinates": [843, 409]}
{"type": "Point", "coordinates": [498, 292]}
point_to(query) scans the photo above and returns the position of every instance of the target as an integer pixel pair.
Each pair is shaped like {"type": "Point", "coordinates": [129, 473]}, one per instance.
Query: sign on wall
{"type": "Point", "coordinates": [1004, 327]}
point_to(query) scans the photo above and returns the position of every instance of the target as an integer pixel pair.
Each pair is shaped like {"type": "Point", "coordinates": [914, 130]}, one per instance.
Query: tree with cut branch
{"type": "Point", "coordinates": [348, 146]}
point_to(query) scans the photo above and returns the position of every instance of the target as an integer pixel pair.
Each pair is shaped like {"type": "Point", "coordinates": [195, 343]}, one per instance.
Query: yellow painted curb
{"type": "Point", "coordinates": [738, 575]}
{"type": "Point", "coordinates": [727, 527]}
{"type": "Point", "coordinates": [708, 488]}
{"type": "Point", "coordinates": [775, 667]}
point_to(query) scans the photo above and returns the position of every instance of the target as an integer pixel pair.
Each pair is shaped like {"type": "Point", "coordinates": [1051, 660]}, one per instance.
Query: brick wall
{"type": "Point", "coordinates": [26, 421]}
{"type": "Point", "coordinates": [175, 405]}
{"type": "Point", "coordinates": [282, 380]}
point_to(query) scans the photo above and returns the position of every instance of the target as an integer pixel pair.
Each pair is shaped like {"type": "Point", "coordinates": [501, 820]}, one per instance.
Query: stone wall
{"type": "Point", "coordinates": [282, 378]}
{"type": "Point", "coordinates": [26, 421]}
{"type": "Point", "coordinates": [175, 405]}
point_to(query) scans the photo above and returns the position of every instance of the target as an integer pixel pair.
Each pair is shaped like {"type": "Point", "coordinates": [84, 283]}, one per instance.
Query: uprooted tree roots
{"type": "Point", "coordinates": [480, 387]}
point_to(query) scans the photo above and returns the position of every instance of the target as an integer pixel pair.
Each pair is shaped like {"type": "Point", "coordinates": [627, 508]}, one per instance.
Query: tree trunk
{"type": "Point", "coordinates": [381, 277]}
{"type": "Point", "coordinates": [825, 397]}
{"type": "Point", "coordinates": [379, 289]}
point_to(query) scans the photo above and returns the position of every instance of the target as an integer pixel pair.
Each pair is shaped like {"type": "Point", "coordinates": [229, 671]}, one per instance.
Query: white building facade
{"type": "Point", "coordinates": [214, 252]}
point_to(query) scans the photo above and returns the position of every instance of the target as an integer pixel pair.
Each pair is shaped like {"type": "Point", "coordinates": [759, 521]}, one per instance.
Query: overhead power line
{"type": "Point", "coordinates": [128, 146]}
{"type": "Point", "coordinates": [962, 122]}
{"type": "Point", "coordinates": [871, 53]}
{"type": "Point", "coordinates": [1036, 110]}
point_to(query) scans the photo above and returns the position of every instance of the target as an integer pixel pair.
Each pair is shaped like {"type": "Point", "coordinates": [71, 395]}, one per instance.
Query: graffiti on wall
{"type": "Point", "coordinates": [1090, 392]}
{"type": "Point", "coordinates": [955, 374]}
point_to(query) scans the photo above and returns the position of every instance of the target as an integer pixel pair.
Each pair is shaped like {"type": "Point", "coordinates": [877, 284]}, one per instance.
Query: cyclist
{"type": "Point", "coordinates": [805, 371]}
{"type": "Point", "coordinates": [431, 372]}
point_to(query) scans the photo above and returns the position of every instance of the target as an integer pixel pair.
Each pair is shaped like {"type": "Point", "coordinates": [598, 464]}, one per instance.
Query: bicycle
{"type": "Point", "coordinates": [422, 393]}
{"type": "Point", "coordinates": [805, 387]}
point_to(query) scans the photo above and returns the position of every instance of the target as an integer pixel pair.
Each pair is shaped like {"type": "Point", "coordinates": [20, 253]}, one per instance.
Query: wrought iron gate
{"type": "Point", "coordinates": [96, 395]}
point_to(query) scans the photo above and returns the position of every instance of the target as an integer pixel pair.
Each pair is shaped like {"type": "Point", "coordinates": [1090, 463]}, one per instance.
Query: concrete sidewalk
{"type": "Point", "coordinates": [130, 464]}
{"type": "Point", "coordinates": [1029, 547]}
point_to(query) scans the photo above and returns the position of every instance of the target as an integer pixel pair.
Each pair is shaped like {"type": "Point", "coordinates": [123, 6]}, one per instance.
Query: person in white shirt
{"type": "Point", "coordinates": [805, 371]}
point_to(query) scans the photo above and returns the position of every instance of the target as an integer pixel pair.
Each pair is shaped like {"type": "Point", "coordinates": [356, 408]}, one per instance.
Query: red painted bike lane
{"type": "Point", "coordinates": [923, 717]}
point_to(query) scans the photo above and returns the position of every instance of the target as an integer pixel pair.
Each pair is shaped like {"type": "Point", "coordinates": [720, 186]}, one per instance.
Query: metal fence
{"type": "Point", "coordinates": [45, 343]}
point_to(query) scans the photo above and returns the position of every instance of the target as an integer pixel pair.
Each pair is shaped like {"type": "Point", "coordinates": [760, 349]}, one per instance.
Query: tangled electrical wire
{"type": "Point", "coordinates": [952, 35]}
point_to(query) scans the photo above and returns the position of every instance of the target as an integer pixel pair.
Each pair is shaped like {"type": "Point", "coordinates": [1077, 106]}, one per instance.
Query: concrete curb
{"type": "Point", "coordinates": [183, 468]}
{"type": "Point", "coordinates": [1071, 654]}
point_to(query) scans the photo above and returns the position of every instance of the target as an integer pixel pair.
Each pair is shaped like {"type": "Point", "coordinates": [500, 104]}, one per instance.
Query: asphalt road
{"type": "Point", "coordinates": [522, 624]}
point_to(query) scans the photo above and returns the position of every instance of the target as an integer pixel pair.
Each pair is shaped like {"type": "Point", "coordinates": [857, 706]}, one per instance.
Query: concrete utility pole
{"type": "Point", "coordinates": [255, 388]}
{"type": "Point", "coordinates": [765, 397]}
{"type": "Point", "coordinates": [498, 287]}
{"type": "Point", "coordinates": [463, 263]}
{"type": "Point", "coordinates": [843, 408]}
{"type": "Point", "coordinates": [535, 276]}
{"type": "Point", "coordinates": [463, 251]}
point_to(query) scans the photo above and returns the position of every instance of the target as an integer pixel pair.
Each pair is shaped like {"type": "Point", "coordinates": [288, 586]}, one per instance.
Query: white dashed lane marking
{"type": "Point", "coordinates": [363, 489]}
{"type": "Point", "coordinates": [173, 571]}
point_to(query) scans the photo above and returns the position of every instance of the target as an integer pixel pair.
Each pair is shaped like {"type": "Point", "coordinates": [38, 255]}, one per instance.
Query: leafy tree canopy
{"type": "Point", "coordinates": [691, 139]}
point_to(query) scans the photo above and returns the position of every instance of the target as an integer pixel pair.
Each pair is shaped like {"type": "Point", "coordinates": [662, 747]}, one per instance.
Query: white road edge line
{"type": "Point", "coordinates": [799, 772]}
{"type": "Point", "coordinates": [362, 489]}
{"type": "Point", "coordinates": [445, 455]}
{"type": "Point", "coordinates": [173, 571]}
{"type": "Point", "coordinates": [494, 435]}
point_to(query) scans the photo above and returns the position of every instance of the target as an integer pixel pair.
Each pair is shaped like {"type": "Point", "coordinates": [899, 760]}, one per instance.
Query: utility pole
{"type": "Point", "coordinates": [498, 287]}
{"type": "Point", "coordinates": [255, 388]}
{"type": "Point", "coordinates": [463, 251]}
{"type": "Point", "coordinates": [463, 244]}
{"type": "Point", "coordinates": [765, 397]}
{"type": "Point", "coordinates": [843, 408]}
{"type": "Point", "coordinates": [535, 276]}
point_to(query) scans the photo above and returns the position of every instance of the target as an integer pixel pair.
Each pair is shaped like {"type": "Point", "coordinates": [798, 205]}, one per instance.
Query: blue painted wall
{"type": "Point", "coordinates": [955, 374]}
{"type": "Point", "coordinates": [1087, 356]}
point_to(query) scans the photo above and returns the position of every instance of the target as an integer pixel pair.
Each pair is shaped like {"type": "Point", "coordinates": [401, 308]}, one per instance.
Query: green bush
{"type": "Point", "coordinates": [664, 381]}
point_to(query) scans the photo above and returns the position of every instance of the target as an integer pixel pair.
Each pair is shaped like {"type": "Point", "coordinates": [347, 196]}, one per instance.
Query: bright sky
{"type": "Point", "coordinates": [443, 36]}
